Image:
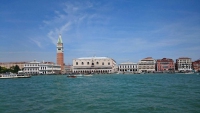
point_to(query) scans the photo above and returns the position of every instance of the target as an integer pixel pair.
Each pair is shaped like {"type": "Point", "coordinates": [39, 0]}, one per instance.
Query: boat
{"type": "Point", "coordinates": [71, 76]}
{"type": "Point", "coordinates": [75, 75]}
{"type": "Point", "coordinates": [21, 74]}
{"type": "Point", "coordinates": [118, 72]}
{"type": "Point", "coordinates": [24, 76]}
{"type": "Point", "coordinates": [13, 75]}
{"type": "Point", "coordinates": [8, 75]}
{"type": "Point", "coordinates": [79, 75]}
{"type": "Point", "coordinates": [189, 73]}
{"type": "Point", "coordinates": [88, 75]}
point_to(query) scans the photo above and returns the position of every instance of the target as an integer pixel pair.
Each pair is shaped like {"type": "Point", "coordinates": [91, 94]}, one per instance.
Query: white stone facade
{"type": "Point", "coordinates": [36, 68]}
{"type": "Point", "coordinates": [94, 65]}
{"type": "Point", "coordinates": [147, 65]}
{"type": "Point", "coordinates": [68, 69]}
{"type": "Point", "coordinates": [31, 67]}
{"type": "Point", "coordinates": [49, 69]}
{"type": "Point", "coordinates": [184, 64]}
{"type": "Point", "coordinates": [128, 67]}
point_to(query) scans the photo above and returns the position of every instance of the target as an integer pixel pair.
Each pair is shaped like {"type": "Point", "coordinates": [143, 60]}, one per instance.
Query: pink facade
{"type": "Point", "coordinates": [196, 65]}
{"type": "Point", "coordinates": [165, 64]}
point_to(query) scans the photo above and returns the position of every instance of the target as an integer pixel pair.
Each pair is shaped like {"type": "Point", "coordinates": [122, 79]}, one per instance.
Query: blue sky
{"type": "Point", "coordinates": [125, 30]}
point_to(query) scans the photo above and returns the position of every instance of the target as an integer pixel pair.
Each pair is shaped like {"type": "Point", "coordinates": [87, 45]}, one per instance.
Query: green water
{"type": "Point", "coordinates": [157, 93]}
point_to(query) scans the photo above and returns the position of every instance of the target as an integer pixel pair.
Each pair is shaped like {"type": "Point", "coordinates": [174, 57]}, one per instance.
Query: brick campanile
{"type": "Point", "coordinates": [60, 53]}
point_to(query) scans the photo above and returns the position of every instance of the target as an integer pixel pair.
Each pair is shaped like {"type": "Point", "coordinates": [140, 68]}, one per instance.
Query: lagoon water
{"type": "Point", "coordinates": [168, 93]}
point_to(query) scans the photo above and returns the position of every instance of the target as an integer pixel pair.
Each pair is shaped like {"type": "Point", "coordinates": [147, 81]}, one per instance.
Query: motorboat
{"type": "Point", "coordinates": [79, 75]}
{"type": "Point", "coordinates": [71, 76]}
{"type": "Point", "coordinates": [189, 73]}
{"type": "Point", "coordinates": [8, 75]}
{"type": "Point", "coordinates": [88, 75]}
{"type": "Point", "coordinates": [21, 74]}
{"type": "Point", "coordinates": [13, 75]}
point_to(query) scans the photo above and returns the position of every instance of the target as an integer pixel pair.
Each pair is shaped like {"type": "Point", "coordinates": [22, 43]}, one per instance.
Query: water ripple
{"type": "Point", "coordinates": [101, 93]}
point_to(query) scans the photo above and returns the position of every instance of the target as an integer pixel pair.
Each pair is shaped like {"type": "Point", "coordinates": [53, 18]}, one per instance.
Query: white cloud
{"type": "Point", "coordinates": [37, 42]}
{"type": "Point", "coordinates": [53, 36]}
{"type": "Point", "coordinates": [85, 26]}
{"type": "Point", "coordinates": [74, 16]}
{"type": "Point", "coordinates": [65, 27]}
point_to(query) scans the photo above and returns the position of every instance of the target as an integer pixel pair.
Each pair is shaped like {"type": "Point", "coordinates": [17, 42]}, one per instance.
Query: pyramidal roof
{"type": "Point", "coordinates": [60, 39]}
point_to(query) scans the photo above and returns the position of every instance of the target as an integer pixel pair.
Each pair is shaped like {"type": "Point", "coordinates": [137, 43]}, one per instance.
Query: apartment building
{"type": "Point", "coordinates": [128, 67]}
{"type": "Point", "coordinates": [147, 65]}
{"type": "Point", "coordinates": [184, 64]}
{"type": "Point", "coordinates": [165, 65]}
{"type": "Point", "coordinates": [196, 65]}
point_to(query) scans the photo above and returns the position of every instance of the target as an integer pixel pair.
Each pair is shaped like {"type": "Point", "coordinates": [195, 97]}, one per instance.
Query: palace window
{"type": "Point", "coordinates": [97, 63]}
{"type": "Point", "coordinates": [82, 63]}
{"type": "Point", "coordinates": [76, 63]}
{"type": "Point", "coordinates": [102, 63]}
{"type": "Point", "coordinates": [108, 63]}
{"type": "Point", "coordinates": [88, 63]}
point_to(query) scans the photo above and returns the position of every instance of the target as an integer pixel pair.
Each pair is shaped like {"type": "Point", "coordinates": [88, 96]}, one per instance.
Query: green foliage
{"type": "Point", "coordinates": [3, 70]}
{"type": "Point", "coordinates": [16, 69]}
{"type": "Point", "coordinates": [13, 69]}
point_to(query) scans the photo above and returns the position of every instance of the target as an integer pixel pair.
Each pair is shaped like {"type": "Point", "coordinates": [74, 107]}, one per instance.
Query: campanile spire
{"type": "Point", "coordinates": [59, 39]}
{"type": "Point", "coordinates": [60, 53]}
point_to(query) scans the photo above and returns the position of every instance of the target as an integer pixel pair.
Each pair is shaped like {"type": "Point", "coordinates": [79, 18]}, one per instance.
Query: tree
{"type": "Point", "coordinates": [13, 69]}
{"type": "Point", "coordinates": [16, 69]}
{"type": "Point", "coordinates": [0, 69]}
{"type": "Point", "coordinates": [4, 70]}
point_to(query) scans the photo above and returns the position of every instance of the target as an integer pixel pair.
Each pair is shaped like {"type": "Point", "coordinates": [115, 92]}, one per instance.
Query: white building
{"type": "Point", "coordinates": [128, 67]}
{"type": "Point", "coordinates": [36, 68]}
{"type": "Point", "coordinates": [31, 67]}
{"type": "Point", "coordinates": [68, 69]}
{"type": "Point", "coordinates": [94, 65]}
{"type": "Point", "coordinates": [146, 65]}
{"type": "Point", "coordinates": [49, 69]}
{"type": "Point", "coordinates": [184, 64]}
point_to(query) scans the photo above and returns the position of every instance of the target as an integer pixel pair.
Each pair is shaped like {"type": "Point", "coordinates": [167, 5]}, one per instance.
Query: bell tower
{"type": "Point", "coordinates": [60, 53]}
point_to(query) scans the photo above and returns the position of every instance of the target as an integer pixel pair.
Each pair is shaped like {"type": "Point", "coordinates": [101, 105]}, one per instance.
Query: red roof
{"type": "Point", "coordinates": [197, 61]}
{"type": "Point", "coordinates": [165, 60]}
{"type": "Point", "coordinates": [184, 58]}
{"type": "Point", "coordinates": [149, 58]}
